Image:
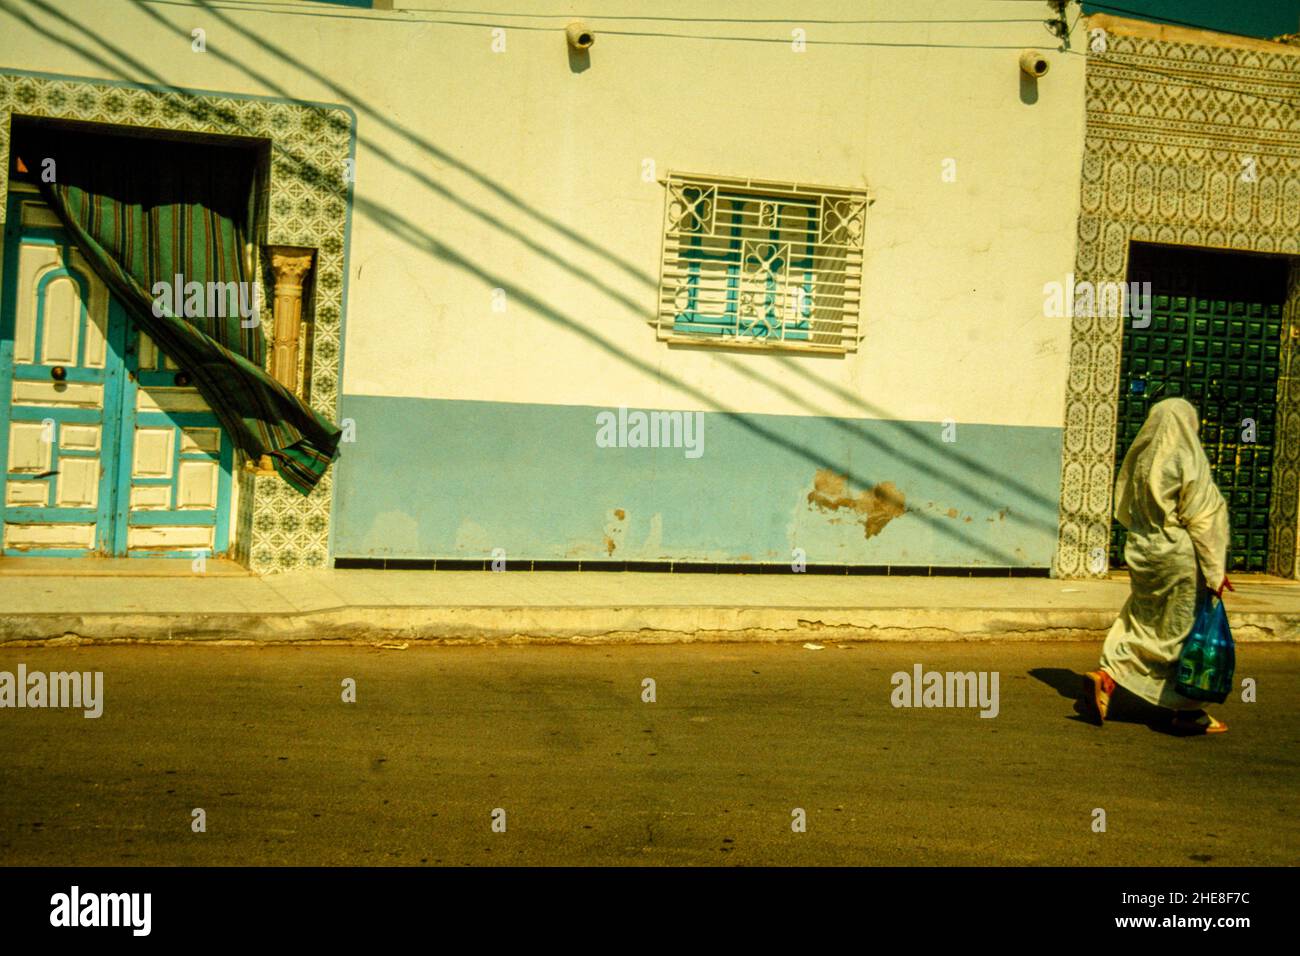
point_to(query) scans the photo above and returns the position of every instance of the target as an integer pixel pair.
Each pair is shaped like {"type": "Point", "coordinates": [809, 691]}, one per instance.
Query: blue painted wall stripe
{"type": "Point", "coordinates": [432, 478]}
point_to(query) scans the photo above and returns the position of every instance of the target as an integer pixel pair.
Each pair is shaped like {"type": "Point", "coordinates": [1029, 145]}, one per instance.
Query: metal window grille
{"type": "Point", "coordinates": [757, 264]}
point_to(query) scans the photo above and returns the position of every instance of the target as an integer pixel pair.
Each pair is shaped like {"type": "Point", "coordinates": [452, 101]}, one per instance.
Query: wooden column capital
{"type": "Point", "coordinates": [290, 266]}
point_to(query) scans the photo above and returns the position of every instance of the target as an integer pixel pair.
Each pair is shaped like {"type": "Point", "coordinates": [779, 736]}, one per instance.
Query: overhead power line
{"type": "Point", "coordinates": [652, 17]}
{"type": "Point", "coordinates": [248, 7]}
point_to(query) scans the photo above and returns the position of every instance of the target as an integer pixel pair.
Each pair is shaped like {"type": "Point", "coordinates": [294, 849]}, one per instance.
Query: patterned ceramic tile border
{"type": "Point", "coordinates": [1171, 128]}
{"type": "Point", "coordinates": [307, 205]}
{"type": "Point", "coordinates": [1282, 517]}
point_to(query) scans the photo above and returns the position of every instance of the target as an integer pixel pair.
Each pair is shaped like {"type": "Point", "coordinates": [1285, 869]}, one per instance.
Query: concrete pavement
{"type": "Point", "coordinates": [387, 606]}
{"type": "Point", "coordinates": [559, 737]}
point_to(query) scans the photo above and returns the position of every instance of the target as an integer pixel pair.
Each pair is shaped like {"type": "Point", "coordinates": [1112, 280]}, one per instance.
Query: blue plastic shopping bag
{"type": "Point", "coordinates": [1208, 659]}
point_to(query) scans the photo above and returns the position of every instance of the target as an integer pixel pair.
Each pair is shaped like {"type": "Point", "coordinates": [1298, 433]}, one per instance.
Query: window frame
{"type": "Point", "coordinates": [697, 229]}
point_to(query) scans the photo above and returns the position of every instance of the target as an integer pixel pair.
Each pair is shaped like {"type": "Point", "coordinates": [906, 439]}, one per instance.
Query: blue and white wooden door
{"type": "Point", "coordinates": [105, 447]}
{"type": "Point", "coordinates": [176, 489]}
{"type": "Point", "coordinates": [61, 375]}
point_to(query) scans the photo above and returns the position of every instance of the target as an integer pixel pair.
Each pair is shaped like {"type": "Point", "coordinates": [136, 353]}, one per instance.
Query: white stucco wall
{"type": "Point", "coordinates": [468, 160]}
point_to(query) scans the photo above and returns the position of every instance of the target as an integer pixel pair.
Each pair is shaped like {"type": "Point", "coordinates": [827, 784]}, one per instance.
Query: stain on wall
{"type": "Point", "coordinates": [613, 533]}
{"type": "Point", "coordinates": [873, 508]}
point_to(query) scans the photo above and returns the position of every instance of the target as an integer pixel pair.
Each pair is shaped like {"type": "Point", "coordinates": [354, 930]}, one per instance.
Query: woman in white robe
{"type": "Point", "coordinates": [1177, 543]}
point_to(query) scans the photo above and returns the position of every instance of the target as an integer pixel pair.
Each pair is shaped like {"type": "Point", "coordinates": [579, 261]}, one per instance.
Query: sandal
{"type": "Point", "coordinates": [1199, 726]}
{"type": "Point", "coordinates": [1097, 687]}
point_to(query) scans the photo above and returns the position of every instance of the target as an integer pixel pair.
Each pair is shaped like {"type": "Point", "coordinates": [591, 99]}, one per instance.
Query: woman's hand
{"type": "Point", "coordinates": [1226, 585]}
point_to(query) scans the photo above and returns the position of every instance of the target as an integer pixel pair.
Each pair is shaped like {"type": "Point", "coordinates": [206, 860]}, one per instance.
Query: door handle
{"type": "Point", "coordinates": [58, 373]}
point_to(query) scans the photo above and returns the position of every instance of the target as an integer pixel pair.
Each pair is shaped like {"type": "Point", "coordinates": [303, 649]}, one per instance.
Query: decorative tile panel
{"type": "Point", "coordinates": [307, 204]}
{"type": "Point", "coordinates": [1191, 145]}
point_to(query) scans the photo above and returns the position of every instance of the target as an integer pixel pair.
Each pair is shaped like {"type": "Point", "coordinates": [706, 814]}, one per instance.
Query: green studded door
{"type": "Point", "coordinates": [1214, 338]}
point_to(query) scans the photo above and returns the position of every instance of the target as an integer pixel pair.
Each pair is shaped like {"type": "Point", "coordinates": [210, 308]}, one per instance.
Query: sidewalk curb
{"type": "Point", "coordinates": [596, 625]}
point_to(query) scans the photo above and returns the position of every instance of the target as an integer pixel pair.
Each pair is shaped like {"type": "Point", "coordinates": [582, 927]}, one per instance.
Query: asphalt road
{"type": "Point", "coordinates": [588, 773]}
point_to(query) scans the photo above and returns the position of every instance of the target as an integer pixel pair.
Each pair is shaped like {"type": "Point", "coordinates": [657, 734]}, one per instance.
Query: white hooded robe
{"type": "Point", "coordinates": [1177, 522]}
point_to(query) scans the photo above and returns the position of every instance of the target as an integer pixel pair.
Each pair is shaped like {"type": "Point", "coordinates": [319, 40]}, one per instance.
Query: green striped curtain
{"type": "Point", "coordinates": [144, 212]}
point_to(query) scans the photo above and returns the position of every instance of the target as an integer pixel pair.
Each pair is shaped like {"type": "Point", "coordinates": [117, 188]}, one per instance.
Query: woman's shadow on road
{"type": "Point", "coordinates": [1125, 708]}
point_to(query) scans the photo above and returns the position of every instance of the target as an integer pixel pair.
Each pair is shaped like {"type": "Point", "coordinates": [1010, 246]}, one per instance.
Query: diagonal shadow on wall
{"type": "Point", "coordinates": [415, 236]}
{"type": "Point", "coordinates": [1046, 506]}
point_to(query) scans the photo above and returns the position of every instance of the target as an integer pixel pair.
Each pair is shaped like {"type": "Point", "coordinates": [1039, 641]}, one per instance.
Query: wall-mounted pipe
{"type": "Point", "coordinates": [579, 36]}
{"type": "Point", "coordinates": [1033, 63]}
